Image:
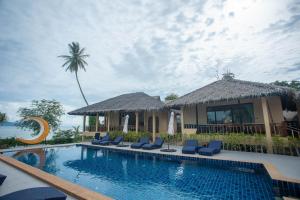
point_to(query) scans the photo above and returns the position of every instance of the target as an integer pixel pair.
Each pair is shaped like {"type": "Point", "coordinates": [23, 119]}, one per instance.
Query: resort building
{"type": "Point", "coordinates": [224, 106]}
{"type": "Point", "coordinates": [146, 113]}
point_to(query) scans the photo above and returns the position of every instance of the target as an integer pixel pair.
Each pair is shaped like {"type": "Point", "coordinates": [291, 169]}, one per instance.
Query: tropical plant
{"type": "Point", "coordinates": [3, 117]}
{"type": "Point", "coordinates": [75, 61]}
{"type": "Point", "coordinates": [171, 97]}
{"type": "Point", "coordinates": [50, 110]}
{"type": "Point", "coordinates": [63, 136]}
{"type": "Point", "coordinates": [292, 84]}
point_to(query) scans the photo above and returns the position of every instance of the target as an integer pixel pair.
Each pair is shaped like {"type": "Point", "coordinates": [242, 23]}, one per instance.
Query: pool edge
{"type": "Point", "coordinates": [71, 189]}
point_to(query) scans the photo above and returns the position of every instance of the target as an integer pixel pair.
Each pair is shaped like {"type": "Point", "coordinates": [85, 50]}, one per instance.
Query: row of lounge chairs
{"type": "Point", "coordinates": [37, 193]}
{"type": "Point", "coordinates": [143, 142]}
{"type": "Point", "coordinates": [190, 147]}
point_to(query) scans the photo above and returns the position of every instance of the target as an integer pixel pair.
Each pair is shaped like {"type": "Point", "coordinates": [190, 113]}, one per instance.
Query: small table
{"type": "Point", "coordinates": [122, 145]}
{"type": "Point", "coordinates": [168, 150]}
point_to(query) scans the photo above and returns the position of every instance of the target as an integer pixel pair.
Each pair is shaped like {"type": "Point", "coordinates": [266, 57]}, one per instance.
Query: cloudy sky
{"type": "Point", "coordinates": [158, 47]}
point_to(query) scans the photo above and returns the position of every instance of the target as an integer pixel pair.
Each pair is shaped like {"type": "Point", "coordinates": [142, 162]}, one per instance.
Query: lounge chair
{"type": "Point", "coordinates": [105, 139]}
{"type": "Point", "coordinates": [213, 147]}
{"type": "Point", "coordinates": [2, 178]}
{"type": "Point", "coordinates": [96, 139]}
{"type": "Point", "coordinates": [156, 145]}
{"type": "Point", "coordinates": [116, 141]}
{"type": "Point", "coordinates": [190, 147]}
{"type": "Point", "coordinates": [38, 193]}
{"type": "Point", "coordinates": [140, 143]}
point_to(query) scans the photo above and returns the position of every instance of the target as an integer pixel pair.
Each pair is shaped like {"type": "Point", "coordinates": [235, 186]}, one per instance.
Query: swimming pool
{"type": "Point", "coordinates": [124, 175]}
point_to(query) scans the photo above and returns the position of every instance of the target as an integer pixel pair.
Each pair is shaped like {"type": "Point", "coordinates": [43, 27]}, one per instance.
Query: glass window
{"type": "Point", "coordinates": [241, 113]}
{"type": "Point", "coordinates": [211, 117]}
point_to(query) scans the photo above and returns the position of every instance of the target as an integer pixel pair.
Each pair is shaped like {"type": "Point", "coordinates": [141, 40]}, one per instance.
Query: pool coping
{"type": "Point", "coordinates": [68, 187]}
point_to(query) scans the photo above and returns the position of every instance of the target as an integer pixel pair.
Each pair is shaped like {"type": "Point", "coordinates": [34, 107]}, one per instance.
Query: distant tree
{"type": "Point", "coordinates": [3, 117]}
{"type": "Point", "coordinates": [291, 84]}
{"type": "Point", "coordinates": [171, 97]}
{"type": "Point", "coordinates": [75, 61]}
{"type": "Point", "coordinates": [50, 110]}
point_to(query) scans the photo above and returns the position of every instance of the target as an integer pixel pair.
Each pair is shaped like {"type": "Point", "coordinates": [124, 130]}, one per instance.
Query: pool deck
{"type": "Point", "coordinates": [18, 180]}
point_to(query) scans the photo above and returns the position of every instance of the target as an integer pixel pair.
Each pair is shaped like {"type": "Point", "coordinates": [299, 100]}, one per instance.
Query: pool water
{"type": "Point", "coordinates": [133, 176]}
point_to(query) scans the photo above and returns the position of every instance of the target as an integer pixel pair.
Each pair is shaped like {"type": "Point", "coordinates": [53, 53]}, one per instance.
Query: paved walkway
{"type": "Point", "coordinates": [18, 180]}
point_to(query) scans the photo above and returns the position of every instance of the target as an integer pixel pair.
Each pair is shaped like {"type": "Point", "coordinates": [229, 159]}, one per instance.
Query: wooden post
{"type": "Point", "coordinates": [136, 122]}
{"type": "Point", "coordinates": [298, 110]}
{"type": "Point", "coordinates": [84, 122]}
{"type": "Point", "coordinates": [267, 124]}
{"type": "Point", "coordinates": [97, 122]}
{"type": "Point", "coordinates": [145, 121]}
{"type": "Point", "coordinates": [182, 121]}
{"type": "Point", "coordinates": [83, 127]}
{"type": "Point", "coordinates": [153, 126]}
{"type": "Point", "coordinates": [108, 121]}
{"type": "Point", "coordinates": [197, 121]}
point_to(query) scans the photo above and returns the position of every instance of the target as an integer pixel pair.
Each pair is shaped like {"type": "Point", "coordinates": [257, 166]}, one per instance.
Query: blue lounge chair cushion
{"type": "Point", "coordinates": [104, 139]}
{"type": "Point", "coordinates": [142, 141]}
{"type": "Point", "coordinates": [2, 178]}
{"type": "Point", "coordinates": [97, 136]}
{"type": "Point", "coordinates": [156, 145]}
{"type": "Point", "coordinates": [38, 193]}
{"type": "Point", "coordinates": [213, 147]}
{"type": "Point", "coordinates": [190, 147]}
{"type": "Point", "coordinates": [117, 140]}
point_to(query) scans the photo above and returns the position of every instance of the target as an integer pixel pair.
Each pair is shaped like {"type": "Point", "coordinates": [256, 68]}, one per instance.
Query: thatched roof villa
{"type": "Point", "coordinates": [226, 105]}
{"type": "Point", "coordinates": [145, 112]}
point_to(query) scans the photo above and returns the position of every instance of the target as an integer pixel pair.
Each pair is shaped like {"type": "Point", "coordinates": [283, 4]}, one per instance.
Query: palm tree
{"type": "Point", "coordinates": [75, 61]}
{"type": "Point", "coordinates": [3, 117]}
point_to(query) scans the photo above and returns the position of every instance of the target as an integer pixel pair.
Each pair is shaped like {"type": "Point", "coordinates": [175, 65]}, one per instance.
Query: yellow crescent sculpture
{"type": "Point", "coordinates": [44, 131]}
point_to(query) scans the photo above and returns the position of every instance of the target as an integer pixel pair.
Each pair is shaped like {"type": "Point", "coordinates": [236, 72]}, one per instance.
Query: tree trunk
{"type": "Point", "coordinates": [81, 89]}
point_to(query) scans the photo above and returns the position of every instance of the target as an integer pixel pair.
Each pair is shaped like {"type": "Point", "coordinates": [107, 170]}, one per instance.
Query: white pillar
{"type": "Point", "coordinates": [97, 121]}
{"type": "Point", "coordinates": [153, 126]}
{"type": "Point", "coordinates": [136, 122]}
{"type": "Point", "coordinates": [267, 124]}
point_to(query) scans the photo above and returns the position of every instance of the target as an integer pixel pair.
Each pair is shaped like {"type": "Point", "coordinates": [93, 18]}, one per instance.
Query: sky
{"type": "Point", "coordinates": [158, 47]}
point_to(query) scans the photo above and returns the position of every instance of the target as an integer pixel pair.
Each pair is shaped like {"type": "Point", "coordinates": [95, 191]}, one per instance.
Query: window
{"type": "Point", "coordinates": [238, 114]}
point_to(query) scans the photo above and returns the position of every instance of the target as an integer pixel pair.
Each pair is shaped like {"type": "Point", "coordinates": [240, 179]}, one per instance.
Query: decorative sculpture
{"type": "Point", "coordinates": [44, 131]}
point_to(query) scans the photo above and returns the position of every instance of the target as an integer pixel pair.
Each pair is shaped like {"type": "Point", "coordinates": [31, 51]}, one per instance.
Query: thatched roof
{"type": "Point", "coordinates": [126, 102]}
{"type": "Point", "coordinates": [229, 89]}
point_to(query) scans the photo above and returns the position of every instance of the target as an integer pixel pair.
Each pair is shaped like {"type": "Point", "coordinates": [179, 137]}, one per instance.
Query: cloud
{"type": "Point", "coordinates": [157, 47]}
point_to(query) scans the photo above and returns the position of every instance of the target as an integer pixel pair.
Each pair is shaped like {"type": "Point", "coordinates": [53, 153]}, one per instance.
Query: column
{"type": "Point", "coordinates": [298, 110]}
{"type": "Point", "coordinates": [267, 124]}
{"type": "Point", "coordinates": [153, 126]}
{"type": "Point", "coordinates": [182, 121]}
{"type": "Point", "coordinates": [136, 122]}
{"type": "Point", "coordinates": [97, 121]}
{"type": "Point", "coordinates": [108, 121]}
{"type": "Point", "coordinates": [83, 127]}
{"type": "Point", "coordinates": [145, 121]}
{"type": "Point", "coordinates": [84, 122]}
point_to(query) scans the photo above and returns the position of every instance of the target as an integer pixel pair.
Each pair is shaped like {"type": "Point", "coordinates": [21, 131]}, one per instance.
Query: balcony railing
{"type": "Point", "coordinates": [276, 129]}
{"type": "Point", "coordinates": [102, 128]}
